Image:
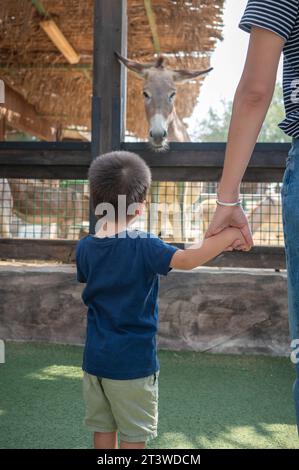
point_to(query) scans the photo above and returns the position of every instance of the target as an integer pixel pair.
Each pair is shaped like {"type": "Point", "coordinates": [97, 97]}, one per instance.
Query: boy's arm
{"type": "Point", "coordinates": [199, 254]}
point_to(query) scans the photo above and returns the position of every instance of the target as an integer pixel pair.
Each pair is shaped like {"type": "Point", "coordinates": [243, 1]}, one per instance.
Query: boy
{"type": "Point", "coordinates": [120, 268]}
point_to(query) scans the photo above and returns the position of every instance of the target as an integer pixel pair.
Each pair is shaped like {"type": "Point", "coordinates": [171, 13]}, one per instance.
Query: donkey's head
{"type": "Point", "coordinates": [159, 90]}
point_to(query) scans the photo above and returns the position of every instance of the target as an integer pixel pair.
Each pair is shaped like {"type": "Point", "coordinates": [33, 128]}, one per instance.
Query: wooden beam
{"type": "Point", "coordinates": [153, 25]}
{"type": "Point", "coordinates": [60, 41]}
{"type": "Point", "coordinates": [55, 34]}
{"type": "Point", "coordinates": [183, 161]}
{"type": "Point", "coordinates": [204, 161]}
{"type": "Point", "coordinates": [260, 257]}
{"type": "Point", "coordinates": [2, 126]}
{"type": "Point", "coordinates": [23, 116]}
{"type": "Point", "coordinates": [210, 154]}
{"type": "Point", "coordinates": [34, 249]}
{"type": "Point", "coordinates": [47, 67]}
{"type": "Point", "coordinates": [73, 134]}
{"type": "Point", "coordinates": [49, 160]}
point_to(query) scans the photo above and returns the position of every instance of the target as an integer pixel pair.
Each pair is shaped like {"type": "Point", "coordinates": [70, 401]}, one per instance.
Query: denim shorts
{"type": "Point", "coordinates": [127, 406]}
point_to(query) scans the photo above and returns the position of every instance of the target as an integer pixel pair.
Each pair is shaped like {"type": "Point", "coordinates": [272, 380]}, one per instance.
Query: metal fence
{"type": "Point", "coordinates": [50, 209]}
{"type": "Point", "coordinates": [177, 211]}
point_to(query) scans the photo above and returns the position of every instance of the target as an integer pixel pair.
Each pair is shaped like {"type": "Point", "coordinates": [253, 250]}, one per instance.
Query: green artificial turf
{"type": "Point", "coordinates": [206, 401]}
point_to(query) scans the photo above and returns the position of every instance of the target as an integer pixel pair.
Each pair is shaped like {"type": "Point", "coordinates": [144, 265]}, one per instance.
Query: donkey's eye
{"type": "Point", "coordinates": [146, 95]}
{"type": "Point", "coordinates": [172, 95]}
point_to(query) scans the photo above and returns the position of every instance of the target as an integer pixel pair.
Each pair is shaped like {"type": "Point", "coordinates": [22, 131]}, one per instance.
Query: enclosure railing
{"type": "Point", "coordinates": [194, 164]}
{"type": "Point", "coordinates": [50, 197]}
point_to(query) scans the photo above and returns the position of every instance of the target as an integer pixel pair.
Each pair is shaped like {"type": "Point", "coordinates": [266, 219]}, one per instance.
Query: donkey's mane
{"type": "Point", "coordinates": [160, 62]}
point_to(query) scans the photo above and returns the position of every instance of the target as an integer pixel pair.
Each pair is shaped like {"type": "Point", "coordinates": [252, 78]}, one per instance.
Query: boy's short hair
{"type": "Point", "coordinates": [118, 173]}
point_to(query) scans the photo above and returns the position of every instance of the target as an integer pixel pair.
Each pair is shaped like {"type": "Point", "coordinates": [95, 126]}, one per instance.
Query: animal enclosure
{"type": "Point", "coordinates": [59, 209]}
{"type": "Point", "coordinates": [44, 193]}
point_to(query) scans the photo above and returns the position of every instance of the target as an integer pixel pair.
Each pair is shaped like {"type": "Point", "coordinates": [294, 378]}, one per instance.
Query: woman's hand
{"type": "Point", "coordinates": [231, 217]}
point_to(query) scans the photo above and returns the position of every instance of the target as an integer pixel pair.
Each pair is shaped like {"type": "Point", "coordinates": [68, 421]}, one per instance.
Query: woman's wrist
{"type": "Point", "coordinates": [228, 195]}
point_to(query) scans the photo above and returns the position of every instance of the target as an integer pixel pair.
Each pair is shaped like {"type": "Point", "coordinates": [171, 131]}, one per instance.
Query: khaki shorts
{"type": "Point", "coordinates": [127, 406]}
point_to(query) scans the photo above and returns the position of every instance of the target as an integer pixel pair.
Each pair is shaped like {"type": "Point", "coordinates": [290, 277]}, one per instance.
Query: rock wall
{"type": "Point", "coordinates": [225, 310]}
{"type": "Point", "coordinates": [209, 309]}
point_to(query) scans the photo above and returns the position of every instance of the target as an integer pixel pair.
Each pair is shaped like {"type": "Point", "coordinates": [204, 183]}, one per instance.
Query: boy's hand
{"type": "Point", "coordinates": [200, 254]}
{"type": "Point", "coordinates": [238, 242]}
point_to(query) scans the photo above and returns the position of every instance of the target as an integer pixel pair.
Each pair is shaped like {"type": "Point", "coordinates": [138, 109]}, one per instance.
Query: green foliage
{"type": "Point", "coordinates": [214, 128]}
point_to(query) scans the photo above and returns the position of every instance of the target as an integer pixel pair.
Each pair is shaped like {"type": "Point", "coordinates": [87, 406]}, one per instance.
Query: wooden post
{"type": "Point", "coordinates": [109, 79]}
{"type": "Point", "coordinates": [2, 127]}
{"type": "Point", "coordinates": [110, 31]}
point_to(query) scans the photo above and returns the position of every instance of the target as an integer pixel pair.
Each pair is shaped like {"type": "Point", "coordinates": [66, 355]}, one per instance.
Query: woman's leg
{"type": "Point", "coordinates": [290, 212]}
{"type": "Point", "coordinates": [296, 395]}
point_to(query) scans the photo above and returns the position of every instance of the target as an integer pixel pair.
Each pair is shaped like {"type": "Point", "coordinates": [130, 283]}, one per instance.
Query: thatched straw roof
{"type": "Point", "coordinates": [32, 66]}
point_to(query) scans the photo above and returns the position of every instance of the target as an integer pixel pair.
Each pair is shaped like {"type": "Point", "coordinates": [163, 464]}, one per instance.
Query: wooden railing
{"type": "Point", "coordinates": [183, 162]}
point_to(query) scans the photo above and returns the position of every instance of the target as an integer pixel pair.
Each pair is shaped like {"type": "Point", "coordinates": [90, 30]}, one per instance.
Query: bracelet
{"type": "Point", "coordinates": [229, 204]}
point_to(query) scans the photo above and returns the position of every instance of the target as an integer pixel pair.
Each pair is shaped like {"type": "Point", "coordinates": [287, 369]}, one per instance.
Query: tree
{"type": "Point", "coordinates": [214, 128]}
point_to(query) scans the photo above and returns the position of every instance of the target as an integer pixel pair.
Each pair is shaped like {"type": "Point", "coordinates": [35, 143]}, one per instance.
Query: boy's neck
{"type": "Point", "coordinates": [108, 229]}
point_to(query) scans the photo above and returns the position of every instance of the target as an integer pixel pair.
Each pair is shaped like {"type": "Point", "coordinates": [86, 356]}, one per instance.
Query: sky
{"type": "Point", "coordinates": [228, 61]}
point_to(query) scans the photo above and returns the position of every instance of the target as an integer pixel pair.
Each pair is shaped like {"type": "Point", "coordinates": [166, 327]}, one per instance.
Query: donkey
{"type": "Point", "coordinates": [164, 125]}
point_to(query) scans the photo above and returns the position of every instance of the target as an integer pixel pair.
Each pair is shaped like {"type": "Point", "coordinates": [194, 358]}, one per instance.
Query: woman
{"type": "Point", "coordinates": [274, 28]}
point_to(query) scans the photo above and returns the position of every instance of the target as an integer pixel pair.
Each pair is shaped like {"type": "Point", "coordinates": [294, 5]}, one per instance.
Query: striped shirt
{"type": "Point", "coordinates": [282, 18]}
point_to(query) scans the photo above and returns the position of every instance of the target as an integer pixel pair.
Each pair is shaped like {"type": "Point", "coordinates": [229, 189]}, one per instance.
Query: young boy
{"type": "Point", "coordinates": [120, 268]}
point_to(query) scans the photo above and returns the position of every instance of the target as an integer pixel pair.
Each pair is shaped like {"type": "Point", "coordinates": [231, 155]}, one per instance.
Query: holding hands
{"type": "Point", "coordinates": [231, 216]}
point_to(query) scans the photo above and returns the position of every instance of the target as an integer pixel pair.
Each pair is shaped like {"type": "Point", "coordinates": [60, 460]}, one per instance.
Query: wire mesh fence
{"type": "Point", "coordinates": [50, 209]}
{"type": "Point", "coordinates": [178, 212]}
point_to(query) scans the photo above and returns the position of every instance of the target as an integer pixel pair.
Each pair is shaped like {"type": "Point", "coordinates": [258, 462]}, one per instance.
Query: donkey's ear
{"type": "Point", "coordinates": [136, 67]}
{"type": "Point", "coordinates": [182, 76]}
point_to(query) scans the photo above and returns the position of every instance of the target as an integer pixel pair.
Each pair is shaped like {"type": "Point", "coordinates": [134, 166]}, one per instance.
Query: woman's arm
{"type": "Point", "coordinates": [200, 253]}
{"type": "Point", "coordinates": [251, 103]}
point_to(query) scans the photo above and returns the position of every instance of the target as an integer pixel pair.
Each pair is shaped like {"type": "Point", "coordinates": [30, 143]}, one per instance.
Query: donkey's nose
{"type": "Point", "coordinates": [158, 135]}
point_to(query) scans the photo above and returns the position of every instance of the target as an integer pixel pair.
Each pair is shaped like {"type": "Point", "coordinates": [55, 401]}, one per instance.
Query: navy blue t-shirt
{"type": "Point", "coordinates": [121, 293]}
